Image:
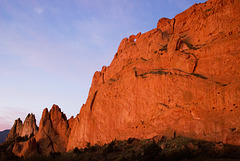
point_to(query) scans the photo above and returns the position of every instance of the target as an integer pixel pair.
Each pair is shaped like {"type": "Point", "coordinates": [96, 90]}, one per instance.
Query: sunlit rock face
{"type": "Point", "coordinates": [181, 78]}
{"type": "Point", "coordinates": [29, 126]}
{"type": "Point", "coordinates": [52, 136]}
{"type": "Point", "coordinates": [15, 130]}
{"type": "Point", "coordinates": [53, 131]}
{"type": "Point", "coordinates": [25, 129]}
{"type": "Point", "coordinates": [26, 148]}
{"type": "Point", "coordinates": [23, 134]}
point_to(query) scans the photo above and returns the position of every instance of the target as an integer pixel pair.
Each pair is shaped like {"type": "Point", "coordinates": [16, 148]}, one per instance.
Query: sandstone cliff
{"type": "Point", "coordinates": [181, 78]}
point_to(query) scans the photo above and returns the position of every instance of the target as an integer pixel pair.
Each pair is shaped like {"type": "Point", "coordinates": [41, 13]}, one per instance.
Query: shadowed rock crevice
{"type": "Point", "coordinates": [93, 99]}
{"type": "Point", "coordinates": [195, 66]}
{"type": "Point", "coordinates": [51, 142]}
{"type": "Point", "coordinates": [164, 105]}
{"type": "Point", "coordinates": [196, 60]}
{"type": "Point", "coordinates": [176, 72]}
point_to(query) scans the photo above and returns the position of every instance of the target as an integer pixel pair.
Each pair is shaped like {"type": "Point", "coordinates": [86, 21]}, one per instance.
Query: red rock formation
{"type": "Point", "coordinates": [71, 122]}
{"type": "Point", "coordinates": [182, 78]}
{"type": "Point", "coordinates": [52, 135]}
{"type": "Point", "coordinates": [53, 131]}
{"type": "Point", "coordinates": [15, 130]}
{"type": "Point", "coordinates": [29, 126]}
{"type": "Point", "coordinates": [25, 149]}
{"type": "Point", "coordinates": [27, 129]}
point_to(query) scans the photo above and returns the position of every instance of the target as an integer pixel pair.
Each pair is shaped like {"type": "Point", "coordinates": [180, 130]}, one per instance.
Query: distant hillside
{"type": "Point", "coordinates": [3, 135]}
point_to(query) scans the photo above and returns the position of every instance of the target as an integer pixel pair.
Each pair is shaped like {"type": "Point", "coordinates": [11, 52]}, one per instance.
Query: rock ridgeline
{"type": "Point", "coordinates": [26, 129]}
{"type": "Point", "coordinates": [53, 132]}
{"type": "Point", "coordinates": [52, 135]}
{"type": "Point", "coordinates": [181, 78]}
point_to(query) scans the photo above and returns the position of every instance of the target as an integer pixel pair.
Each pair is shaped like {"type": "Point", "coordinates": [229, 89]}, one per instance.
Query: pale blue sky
{"type": "Point", "coordinates": [50, 49]}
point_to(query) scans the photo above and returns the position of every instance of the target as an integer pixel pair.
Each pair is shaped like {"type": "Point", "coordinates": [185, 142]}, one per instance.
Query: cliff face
{"type": "Point", "coordinates": [181, 78]}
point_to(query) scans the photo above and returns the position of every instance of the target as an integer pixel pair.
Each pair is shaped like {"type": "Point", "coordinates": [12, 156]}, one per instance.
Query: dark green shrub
{"type": "Point", "coordinates": [130, 140]}
{"type": "Point", "coordinates": [207, 10]}
{"type": "Point", "coordinates": [151, 151]}
{"type": "Point", "coordinates": [93, 148]}
{"type": "Point", "coordinates": [54, 154]}
{"type": "Point", "coordinates": [77, 151]}
{"type": "Point", "coordinates": [37, 157]}
{"type": "Point", "coordinates": [152, 148]}
{"type": "Point", "coordinates": [181, 154]}
{"type": "Point", "coordinates": [88, 145]}
{"type": "Point", "coordinates": [110, 148]}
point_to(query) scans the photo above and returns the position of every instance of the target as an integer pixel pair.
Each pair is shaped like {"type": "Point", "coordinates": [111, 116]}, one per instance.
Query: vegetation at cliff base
{"type": "Point", "coordinates": [155, 149]}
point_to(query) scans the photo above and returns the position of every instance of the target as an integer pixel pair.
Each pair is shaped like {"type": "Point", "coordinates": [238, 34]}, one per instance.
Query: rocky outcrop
{"type": "Point", "coordinates": [29, 126]}
{"type": "Point", "coordinates": [15, 130]}
{"type": "Point", "coordinates": [52, 136]}
{"type": "Point", "coordinates": [25, 144]}
{"type": "Point", "coordinates": [19, 129]}
{"type": "Point", "coordinates": [25, 149]}
{"type": "Point", "coordinates": [181, 78]}
{"type": "Point", "coordinates": [53, 131]}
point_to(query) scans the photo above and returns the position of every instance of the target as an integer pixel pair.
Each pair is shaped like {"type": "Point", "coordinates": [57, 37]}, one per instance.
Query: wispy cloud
{"type": "Point", "coordinates": [38, 10]}
{"type": "Point", "coordinates": [9, 114]}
